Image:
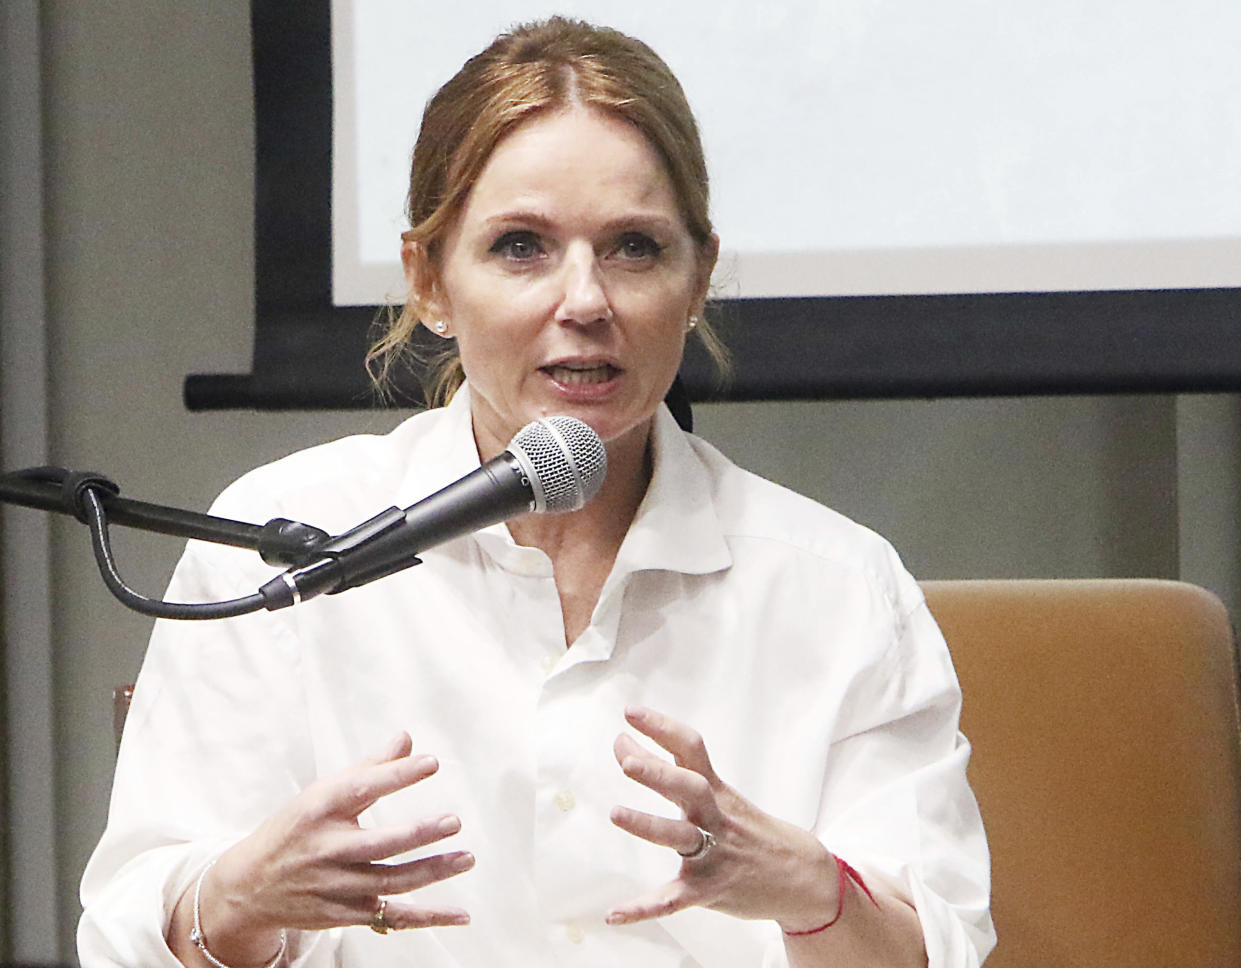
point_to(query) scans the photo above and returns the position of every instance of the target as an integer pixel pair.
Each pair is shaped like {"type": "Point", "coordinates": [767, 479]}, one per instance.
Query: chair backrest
{"type": "Point", "coordinates": [1107, 763]}
{"type": "Point", "coordinates": [122, 696]}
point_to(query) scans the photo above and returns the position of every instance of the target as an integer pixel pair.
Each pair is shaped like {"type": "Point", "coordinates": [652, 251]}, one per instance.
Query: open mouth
{"type": "Point", "coordinates": [575, 375]}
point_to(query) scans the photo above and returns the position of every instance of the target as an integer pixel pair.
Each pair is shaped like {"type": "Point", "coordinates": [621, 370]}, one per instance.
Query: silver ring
{"type": "Point", "coordinates": [703, 848]}
{"type": "Point", "coordinates": [378, 924]}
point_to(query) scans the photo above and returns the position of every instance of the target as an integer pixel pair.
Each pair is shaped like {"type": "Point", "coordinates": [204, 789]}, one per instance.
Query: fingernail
{"type": "Point", "coordinates": [449, 826]}
{"type": "Point", "coordinates": [463, 862]}
{"type": "Point", "coordinates": [426, 762]}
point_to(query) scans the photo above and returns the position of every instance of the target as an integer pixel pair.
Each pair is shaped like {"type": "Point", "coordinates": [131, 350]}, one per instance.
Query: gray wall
{"type": "Point", "coordinates": [146, 233]}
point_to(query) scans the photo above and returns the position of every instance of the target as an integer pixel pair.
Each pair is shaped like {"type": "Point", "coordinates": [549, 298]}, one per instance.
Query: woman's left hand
{"type": "Point", "coordinates": [755, 867]}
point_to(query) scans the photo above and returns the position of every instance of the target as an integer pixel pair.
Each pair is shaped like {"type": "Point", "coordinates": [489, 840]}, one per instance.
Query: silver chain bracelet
{"type": "Point", "coordinates": [200, 940]}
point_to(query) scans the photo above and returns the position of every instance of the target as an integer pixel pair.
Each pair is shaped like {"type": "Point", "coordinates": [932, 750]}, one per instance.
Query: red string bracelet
{"type": "Point", "coordinates": [847, 873]}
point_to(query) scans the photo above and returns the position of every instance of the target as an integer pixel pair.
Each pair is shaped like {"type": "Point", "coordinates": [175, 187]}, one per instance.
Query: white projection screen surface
{"type": "Point", "coordinates": [868, 147]}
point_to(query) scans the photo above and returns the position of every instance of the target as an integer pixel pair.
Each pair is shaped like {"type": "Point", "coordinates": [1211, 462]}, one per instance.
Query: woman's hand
{"type": "Point", "coordinates": [757, 866]}
{"type": "Point", "coordinates": [310, 866]}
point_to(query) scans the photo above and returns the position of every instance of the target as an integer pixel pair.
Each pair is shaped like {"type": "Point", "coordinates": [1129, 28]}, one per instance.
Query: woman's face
{"type": "Point", "coordinates": [568, 280]}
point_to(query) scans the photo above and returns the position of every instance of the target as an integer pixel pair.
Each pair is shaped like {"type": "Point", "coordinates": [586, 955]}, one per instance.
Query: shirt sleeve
{"type": "Point", "coordinates": [214, 741]}
{"type": "Point", "coordinates": [897, 804]}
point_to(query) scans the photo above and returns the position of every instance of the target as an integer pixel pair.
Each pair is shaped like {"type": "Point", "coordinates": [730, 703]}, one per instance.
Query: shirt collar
{"type": "Point", "coordinates": [447, 452]}
{"type": "Point", "coordinates": [676, 527]}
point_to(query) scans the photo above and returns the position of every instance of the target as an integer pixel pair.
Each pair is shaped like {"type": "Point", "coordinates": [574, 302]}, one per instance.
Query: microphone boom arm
{"type": "Point", "coordinates": [554, 464]}
{"type": "Point", "coordinates": [95, 501]}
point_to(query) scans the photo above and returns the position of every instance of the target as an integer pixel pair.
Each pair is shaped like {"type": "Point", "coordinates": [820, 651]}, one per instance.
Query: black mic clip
{"type": "Point", "coordinates": [284, 542]}
{"type": "Point", "coordinates": [337, 568]}
{"type": "Point", "coordinates": [72, 485]}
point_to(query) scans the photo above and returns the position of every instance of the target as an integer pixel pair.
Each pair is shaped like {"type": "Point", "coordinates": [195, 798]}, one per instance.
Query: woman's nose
{"type": "Point", "coordinates": [584, 300]}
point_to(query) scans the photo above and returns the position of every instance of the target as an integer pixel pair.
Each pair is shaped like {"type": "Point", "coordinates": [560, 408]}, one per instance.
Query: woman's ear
{"type": "Point", "coordinates": [709, 254]}
{"type": "Point", "coordinates": [421, 281]}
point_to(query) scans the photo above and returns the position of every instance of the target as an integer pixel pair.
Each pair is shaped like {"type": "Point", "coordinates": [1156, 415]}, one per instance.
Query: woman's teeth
{"type": "Point", "coordinates": [575, 375]}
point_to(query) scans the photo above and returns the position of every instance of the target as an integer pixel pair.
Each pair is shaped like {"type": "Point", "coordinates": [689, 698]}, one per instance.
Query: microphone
{"type": "Point", "coordinates": [552, 465]}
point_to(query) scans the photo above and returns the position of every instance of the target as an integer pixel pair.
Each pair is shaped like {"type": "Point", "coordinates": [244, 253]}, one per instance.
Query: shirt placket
{"type": "Point", "coordinates": [569, 815]}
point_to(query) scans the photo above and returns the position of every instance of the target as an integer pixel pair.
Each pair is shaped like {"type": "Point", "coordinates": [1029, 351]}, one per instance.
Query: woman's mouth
{"type": "Point", "coordinates": [572, 374]}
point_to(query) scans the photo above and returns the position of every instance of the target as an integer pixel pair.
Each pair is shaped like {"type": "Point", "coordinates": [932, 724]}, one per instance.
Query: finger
{"type": "Point", "coordinates": [684, 743]}
{"type": "Point", "coordinates": [353, 885]}
{"type": "Point", "coordinates": [397, 746]}
{"type": "Point", "coordinates": [348, 794]}
{"type": "Point", "coordinates": [397, 915]}
{"type": "Point", "coordinates": [681, 835]}
{"type": "Point", "coordinates": [401, 917]}
{"type": "Point", "coordinates": [672, 897]}
{"type": "Point", "coordinates": [380, 843]}
{"type": "Point", "coordinates": [402, 878]}
{"type": "Point", "coordinates": [689, 790]}
{"type": "Point", "coordinates": [340, 896]}
{"type": "Point", "coordinates": [625, 746]}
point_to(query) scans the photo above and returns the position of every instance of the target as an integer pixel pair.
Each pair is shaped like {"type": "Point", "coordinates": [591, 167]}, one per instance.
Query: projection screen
{"type": "Point", "coordinates": [912, 199]}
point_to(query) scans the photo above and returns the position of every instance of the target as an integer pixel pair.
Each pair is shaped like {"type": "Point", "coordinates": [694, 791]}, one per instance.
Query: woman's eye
{"type": "Point", "coordinates": [635, 245]}
{"type": "Point", "coordinates": [519, 246]}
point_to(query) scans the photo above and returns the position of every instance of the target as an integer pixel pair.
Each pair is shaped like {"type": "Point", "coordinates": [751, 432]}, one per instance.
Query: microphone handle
{"type": "Point", "coordinates": [495, 492]}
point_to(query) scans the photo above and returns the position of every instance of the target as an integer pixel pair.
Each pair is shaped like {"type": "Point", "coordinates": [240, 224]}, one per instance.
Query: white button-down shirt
{"type": "Point", "coordinates": [788, 636]}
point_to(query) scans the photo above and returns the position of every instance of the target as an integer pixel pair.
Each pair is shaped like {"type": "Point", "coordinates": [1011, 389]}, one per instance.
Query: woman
{"type": "Point", "coordinates": [550, 690]}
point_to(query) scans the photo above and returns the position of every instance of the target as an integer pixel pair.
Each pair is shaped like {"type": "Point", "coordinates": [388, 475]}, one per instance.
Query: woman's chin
{"type": "Point", "coordinates": [618, 439]}
{"type": "Point", "coordinates": [615, 425]}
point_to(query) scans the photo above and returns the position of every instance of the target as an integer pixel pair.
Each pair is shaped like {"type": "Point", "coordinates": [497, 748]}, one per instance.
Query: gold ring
{"type": "Point", "coordinates": [378, 924]}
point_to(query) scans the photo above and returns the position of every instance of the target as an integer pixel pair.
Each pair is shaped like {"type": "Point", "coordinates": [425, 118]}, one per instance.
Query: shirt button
{"type": "Point", "coordinates": [575, 933]}
{"type": "Point", "coordinates": [549, 663]}
{"type": "Point", "coordinates": [565, 801]}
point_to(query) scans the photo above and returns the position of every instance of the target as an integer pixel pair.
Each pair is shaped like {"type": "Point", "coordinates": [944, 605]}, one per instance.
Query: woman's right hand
{"type": "Point", "coordinates": [310, 867]}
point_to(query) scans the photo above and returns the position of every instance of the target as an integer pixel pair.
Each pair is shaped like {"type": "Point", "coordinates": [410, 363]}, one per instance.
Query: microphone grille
{"type": "Point", "coordinates": [565, 460]}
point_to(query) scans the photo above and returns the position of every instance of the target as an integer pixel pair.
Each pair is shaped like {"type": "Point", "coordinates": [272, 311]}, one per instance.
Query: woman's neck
{"type": "Point", "coordinates": [583, 544]}
{"type": "Point", "coordinates": [606, 517]}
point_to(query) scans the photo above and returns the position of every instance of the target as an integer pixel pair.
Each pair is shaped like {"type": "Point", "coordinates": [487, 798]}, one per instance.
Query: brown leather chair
{"type": "Point", "coordinates": [1107, 763]}
{"type": "Point", "coordinates": [122, 696]}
